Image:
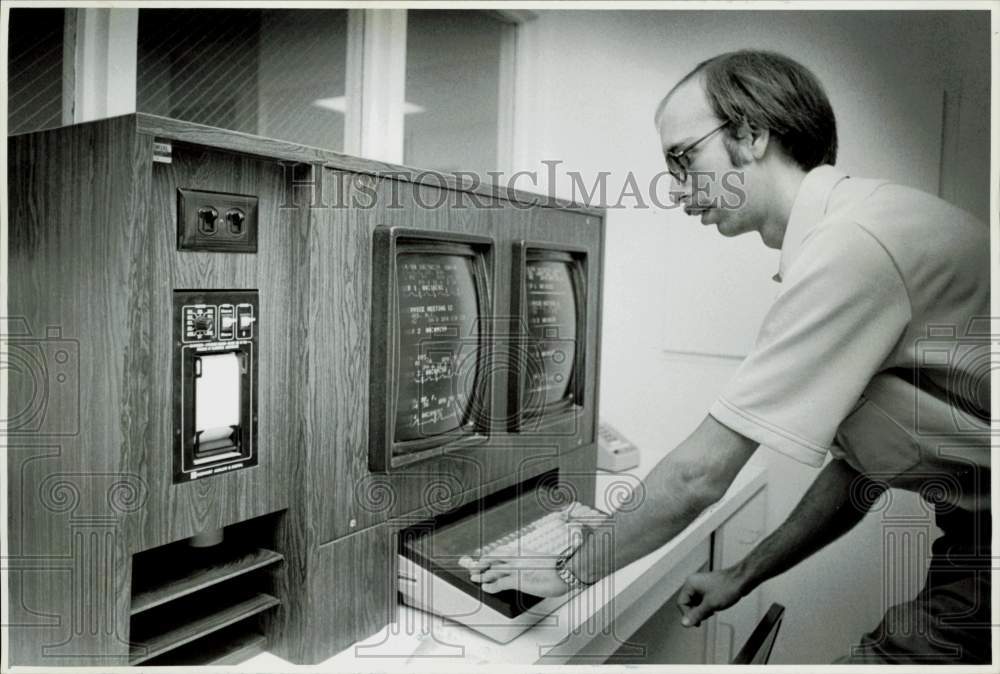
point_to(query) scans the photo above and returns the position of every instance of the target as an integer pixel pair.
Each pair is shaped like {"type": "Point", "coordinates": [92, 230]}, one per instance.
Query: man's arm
{"type": "Point", "coordinates": [689, 479]}
{"type": "Point", "coordinates": [683, 484]}
{"type": "Point", "coordinates": [835, 502]}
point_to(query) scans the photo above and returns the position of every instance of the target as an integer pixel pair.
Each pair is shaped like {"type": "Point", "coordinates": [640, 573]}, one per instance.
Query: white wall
{"type": "Point", "coordinates": [966, 161]}
{"type": "Point", "coordinates": [672, 286]}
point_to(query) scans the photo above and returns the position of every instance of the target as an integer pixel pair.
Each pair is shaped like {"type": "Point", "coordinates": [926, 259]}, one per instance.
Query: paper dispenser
{"type": "Point", "coordinates": [215, 382]}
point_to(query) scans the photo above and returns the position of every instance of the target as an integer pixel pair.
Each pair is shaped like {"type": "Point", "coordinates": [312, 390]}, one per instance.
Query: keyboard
{"type": "Point", "coordinates": [557, 533]}
{"type": "Point", "coordinates": [434, 564]}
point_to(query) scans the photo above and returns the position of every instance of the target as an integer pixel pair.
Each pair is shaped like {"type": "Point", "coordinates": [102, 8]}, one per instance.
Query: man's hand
{"type": "Point", "coordinates": [705, 593]}
{"type": "Point", "coordinates": [827, 510]}
{"type": "Point", "coordinates": [534, 573]}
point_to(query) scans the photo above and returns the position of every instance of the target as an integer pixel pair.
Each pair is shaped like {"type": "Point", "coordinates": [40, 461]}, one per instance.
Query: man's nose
{"type": "Point", "coordinates": [679, 192]}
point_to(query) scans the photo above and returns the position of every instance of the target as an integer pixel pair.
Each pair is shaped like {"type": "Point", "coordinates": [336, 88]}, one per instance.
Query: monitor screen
{"type": "Point", "coordinates": [438, 329]}
{"type": "Point", "coordinates": [552, 316]}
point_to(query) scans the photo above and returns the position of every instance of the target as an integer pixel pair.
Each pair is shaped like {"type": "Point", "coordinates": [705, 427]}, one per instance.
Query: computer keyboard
{"type": "Point", "coordinates": [556, 533]}
{"type": "Point", "coordinates": [434, 564]}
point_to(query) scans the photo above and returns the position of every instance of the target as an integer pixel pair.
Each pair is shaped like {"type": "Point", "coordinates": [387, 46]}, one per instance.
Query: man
{"type": "Point", "coordinates": [876, 279]}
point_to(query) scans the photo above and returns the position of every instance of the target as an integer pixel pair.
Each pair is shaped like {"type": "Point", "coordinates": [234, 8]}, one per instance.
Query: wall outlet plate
{"type": "Point", "coordinates": [216, 221]}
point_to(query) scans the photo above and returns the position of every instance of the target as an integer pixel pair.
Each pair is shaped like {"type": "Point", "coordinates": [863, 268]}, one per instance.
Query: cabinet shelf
{"type": "Point", "coordinates": [193, 623]}
{"type": "Point", "coordinates": [193, 570]}
{"type": "Point", "coordinates": [229, 646]}
{"type": "Point", "coordinates": [206, 605]}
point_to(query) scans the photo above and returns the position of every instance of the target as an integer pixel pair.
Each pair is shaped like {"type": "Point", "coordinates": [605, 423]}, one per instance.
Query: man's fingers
{"type": "Point", "coordinates": [477, 566]}
{"type": "Point", "coordinates": [488, 561]}
{"type": "Point", "coordinates": [488, 569]}
{"type": "Point", "coordinates": [490, 575]}
{"type": "Point", "coordinates": [694, 617]}
{"type": "Point", "coordinates": [688, 597]}
{"type": "Point", "coordinates": [504, 583]}
{"type": "Point", "coordinates": [691, 601]}
{"type": "Point", "coordinates": [480, 565]}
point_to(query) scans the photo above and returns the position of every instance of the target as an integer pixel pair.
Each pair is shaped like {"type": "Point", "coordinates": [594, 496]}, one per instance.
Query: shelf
{"type": "Point", "coordinates": [193, 569]}
{"type": "Point", "coordinates": [229, 646]}
{"type": "Point", "coordinates": [205, 606]}
{"type": "Point", "coordinates": [199, 618]}
{"type": "Point", "coordinates": [237, 651]}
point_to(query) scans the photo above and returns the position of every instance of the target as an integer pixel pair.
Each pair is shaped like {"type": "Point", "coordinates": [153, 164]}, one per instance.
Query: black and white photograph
{"type": "Point", "coordinates": [438, 335]}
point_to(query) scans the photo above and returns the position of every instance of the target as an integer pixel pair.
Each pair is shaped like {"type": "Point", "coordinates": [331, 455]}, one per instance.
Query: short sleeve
{"type": "Point", "coordinates": [841, 312]}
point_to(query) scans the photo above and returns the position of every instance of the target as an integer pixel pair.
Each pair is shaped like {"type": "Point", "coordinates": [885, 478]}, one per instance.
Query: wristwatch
{"type": "Point", "coordinates": [566, 574]}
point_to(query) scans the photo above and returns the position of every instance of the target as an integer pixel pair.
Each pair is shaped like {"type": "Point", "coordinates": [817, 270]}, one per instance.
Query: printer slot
{"type": "Point", "coordinates": [215, 383]}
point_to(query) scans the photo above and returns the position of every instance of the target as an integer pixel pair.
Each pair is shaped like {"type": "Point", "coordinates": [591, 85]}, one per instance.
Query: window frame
{"type": "Point", "coordinates": [100, 70]}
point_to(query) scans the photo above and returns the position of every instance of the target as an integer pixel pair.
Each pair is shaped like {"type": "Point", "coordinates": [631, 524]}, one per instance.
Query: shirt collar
{"type": "Point", "coordinates": [811, 204]}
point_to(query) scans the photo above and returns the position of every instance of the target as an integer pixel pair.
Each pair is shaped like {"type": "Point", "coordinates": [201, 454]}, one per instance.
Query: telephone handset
{"type": "Point", "coordinates": [614, 451]}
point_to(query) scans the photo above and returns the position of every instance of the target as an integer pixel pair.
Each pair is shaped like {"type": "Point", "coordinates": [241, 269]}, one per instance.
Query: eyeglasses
{"type": "Point", "coordinates": [678, 162]}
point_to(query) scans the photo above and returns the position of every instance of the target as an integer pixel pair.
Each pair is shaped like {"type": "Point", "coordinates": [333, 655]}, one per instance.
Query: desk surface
{"type": "Point", "coordinates": [420, 639]}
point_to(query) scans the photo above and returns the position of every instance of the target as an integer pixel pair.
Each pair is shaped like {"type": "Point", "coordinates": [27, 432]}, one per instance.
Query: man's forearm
{"type": "Point", "coordinates": [836, 501]}
{"type": "Point", "coordinates": [676, 491]}
{"type": "Point", "coordinates": [630, 535]}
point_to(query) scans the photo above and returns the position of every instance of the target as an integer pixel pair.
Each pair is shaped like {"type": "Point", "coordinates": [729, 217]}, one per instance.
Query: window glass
{"type": "Point", "coordinates": [35, 64]}
{"type": "Point", "coordinates": [452, 90]}
{"type": "Point", "coordinates": [276, 73]}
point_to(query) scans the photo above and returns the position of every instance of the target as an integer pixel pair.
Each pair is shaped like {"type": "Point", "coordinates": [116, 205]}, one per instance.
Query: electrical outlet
{"type": "Point", "coordinates": [216, 221]}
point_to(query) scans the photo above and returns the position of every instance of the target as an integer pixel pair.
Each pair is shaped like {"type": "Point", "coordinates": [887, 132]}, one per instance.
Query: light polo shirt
{"type": "Point", "coordinates": [876, 278]}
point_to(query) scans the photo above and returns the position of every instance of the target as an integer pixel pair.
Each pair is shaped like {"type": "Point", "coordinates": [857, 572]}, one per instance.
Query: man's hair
{"type": "Point", "coordinates": [770, 91]}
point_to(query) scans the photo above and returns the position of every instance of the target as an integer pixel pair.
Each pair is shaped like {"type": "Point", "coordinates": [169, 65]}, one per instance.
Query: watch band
{"type": "Point", "coordinates": [566, 574]}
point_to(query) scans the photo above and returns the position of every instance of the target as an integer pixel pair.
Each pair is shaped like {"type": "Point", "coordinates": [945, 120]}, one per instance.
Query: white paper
{"type": "Point", "coordinates": [217, 397]}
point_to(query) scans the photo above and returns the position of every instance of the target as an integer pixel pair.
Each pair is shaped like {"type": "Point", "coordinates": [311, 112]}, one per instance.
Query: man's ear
{"type": "Point", "coordinates": [761, 138]}
{"type": "Point", "coordinates": [753, 141]}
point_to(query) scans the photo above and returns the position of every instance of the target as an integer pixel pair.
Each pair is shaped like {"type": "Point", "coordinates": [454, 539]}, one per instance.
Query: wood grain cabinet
{"type": "Point", "coordinates": [100, 573]}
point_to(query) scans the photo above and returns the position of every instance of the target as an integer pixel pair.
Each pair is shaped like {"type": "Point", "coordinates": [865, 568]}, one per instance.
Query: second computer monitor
{"type": "Point", "coordinates": [549, 307]}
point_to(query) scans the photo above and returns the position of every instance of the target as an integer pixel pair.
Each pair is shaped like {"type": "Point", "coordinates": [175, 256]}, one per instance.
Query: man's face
{"type": "Point", "coordinates": [713, 187]}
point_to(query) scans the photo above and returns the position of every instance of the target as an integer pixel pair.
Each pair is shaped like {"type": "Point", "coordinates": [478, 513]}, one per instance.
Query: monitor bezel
{"type": "Point", "coordinates": [524, 251]}
{"type": "Point", "coordinates": [388, 243]}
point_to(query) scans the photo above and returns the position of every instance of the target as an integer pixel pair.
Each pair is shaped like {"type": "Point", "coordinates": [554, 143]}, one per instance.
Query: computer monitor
{"type": "Point", "coordinates": [431, 308]}
{"type": "Point", "coordinates": [549, 311]}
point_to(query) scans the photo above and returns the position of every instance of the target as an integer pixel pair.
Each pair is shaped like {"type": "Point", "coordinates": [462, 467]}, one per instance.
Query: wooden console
{"type": "Point", "coordinates": [100, 572]}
